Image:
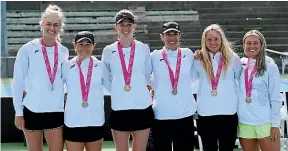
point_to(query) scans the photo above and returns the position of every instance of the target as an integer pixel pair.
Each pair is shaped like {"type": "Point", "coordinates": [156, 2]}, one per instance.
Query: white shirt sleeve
{"type": "Point", "coordinates": [148, 65]}
{"type": "Point", "coordinates": [193, 73]}
{"type": "Point", "coordinates": [19, 76]}
{"type": "Point", "coordinates": [106, 55]}
{"type": "Point", "coordinates": [274, 93]}
{"type": "Point", "coordinates": [237, 68]}
{"type": "Point", "coordinates": [107, 79]}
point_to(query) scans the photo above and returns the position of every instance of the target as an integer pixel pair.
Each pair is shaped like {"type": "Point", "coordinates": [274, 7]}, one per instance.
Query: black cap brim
{"type": "Point", "coordinates": [171, 29]}
{"type": "Point", "coordinates": [120, 20]}
{"type": "Point", "coordinates": [85, 38]}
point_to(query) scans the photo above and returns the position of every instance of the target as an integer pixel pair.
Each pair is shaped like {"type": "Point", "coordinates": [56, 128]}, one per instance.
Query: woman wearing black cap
{"type": "Point", "coordinates": [84, 110]}
{"type": "Point", "coordinates": [173, 104]}
{"type": "Point", "coordinates": [130, 65]}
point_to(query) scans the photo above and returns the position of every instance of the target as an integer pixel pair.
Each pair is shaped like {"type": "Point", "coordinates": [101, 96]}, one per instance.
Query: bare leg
{"type": "Point", "coordinates": [249, 144]}
{"type": "Point", "coordinates": [267, 144]}
{"type": "Point", "coordinates": [94, 146]}
{"type": "Point", "coordinates": [54, 139]}
{"type": "Point", "coordinates": [121, 140]}
{"type": "Point", "coordinates": [140, 139]}
{"type": "Point", "coordinates": [34, 140]}
{"type": "Point", "coordinates": [74, 146]}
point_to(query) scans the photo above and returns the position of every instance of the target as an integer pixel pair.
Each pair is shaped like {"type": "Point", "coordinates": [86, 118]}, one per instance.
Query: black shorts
{"type": "Point", "coordinates": [132, 120]}
{"type": "Point", "coordinates": [83, 134]}
{"type": "Point", "coordinates": [42, 121]}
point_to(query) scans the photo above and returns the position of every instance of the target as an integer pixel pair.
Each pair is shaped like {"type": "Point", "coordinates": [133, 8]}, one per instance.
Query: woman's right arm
{"type": "Point", "coordinates": [19, 75]}
{"type": "Point", "coordinates": [107, 75]}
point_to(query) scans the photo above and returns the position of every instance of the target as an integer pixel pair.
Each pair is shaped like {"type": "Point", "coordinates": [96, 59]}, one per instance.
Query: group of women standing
{"type": "Point", "coordinates": [231, 98]}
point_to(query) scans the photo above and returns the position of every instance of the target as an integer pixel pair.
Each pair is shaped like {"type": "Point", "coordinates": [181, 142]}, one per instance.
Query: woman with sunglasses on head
{"type": "Point", "coordinates": [259, 102]}
{"type": "Point", "coordinates": [129, 63]}
{"type": "Point", "coordinates": [217, 99]}
{"type": "Point", "coordinates": [38, 71]}
{"type": "Point", "coordinates": [173, 104]}
{"type": "Point", "coordinates": [85, 77]}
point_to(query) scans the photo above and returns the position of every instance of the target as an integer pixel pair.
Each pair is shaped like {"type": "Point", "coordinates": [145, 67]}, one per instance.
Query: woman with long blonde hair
{"type": "Point", "coordinates": [259, 99]}
{"type": "Point", "coordinates": [218, 71]}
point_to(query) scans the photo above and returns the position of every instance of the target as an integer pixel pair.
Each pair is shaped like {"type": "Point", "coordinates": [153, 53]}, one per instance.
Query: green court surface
{"type": "Point", "coordinates": [107, 146]}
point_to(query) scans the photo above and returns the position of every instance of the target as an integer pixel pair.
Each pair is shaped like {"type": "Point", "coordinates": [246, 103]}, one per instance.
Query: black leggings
{"type": "Point", "coordinates": [222, 128]}
{"type": "Point", "coordinates": [179, 132]}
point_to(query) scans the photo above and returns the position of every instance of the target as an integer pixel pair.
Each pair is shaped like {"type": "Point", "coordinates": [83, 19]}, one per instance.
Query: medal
{"type": "Point", "coordinates": [127, 73]}
{"type": "Point", "coordinates": [127, 88]}
{"type": "Point", "coordinates": [214, 92]}
{"type": "Point", "coordinates": [174, 79]}
{"type": "Point", "coordinates": [84, 104]}
{"type": "Point", "coordinates": [85, 87]}
{"type": "Point", "coordinates": [174, 92]}
{"type": "Point", "coordinates": [248, 82]}
{"type": "Point", "coordinates": [215, 80]}
{"type": "Point", "coordinates": [248, 99]}
{"type": "Point", "coordinates": [47, 62]}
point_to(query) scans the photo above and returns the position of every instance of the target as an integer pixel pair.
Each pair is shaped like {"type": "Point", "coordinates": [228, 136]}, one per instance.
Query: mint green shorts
{"type": "Point", "coordinates": [254, 131]}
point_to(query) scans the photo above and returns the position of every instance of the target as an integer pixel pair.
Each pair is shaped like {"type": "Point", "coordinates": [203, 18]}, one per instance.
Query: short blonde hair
{"type": "Point", "coordinates": [54, 9]}
{"type": "Point", "coordinates": [260, 58]}
{"type": "Point", "coordinates": [226, 50]}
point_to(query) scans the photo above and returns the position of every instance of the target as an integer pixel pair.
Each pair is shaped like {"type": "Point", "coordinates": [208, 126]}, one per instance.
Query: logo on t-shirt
{"type": "Point", "coordinates": [72, 66]}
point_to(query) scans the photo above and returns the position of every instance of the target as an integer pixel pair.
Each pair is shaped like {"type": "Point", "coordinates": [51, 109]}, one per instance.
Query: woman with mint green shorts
{"type": "Point", "coordinates": [259, 99]}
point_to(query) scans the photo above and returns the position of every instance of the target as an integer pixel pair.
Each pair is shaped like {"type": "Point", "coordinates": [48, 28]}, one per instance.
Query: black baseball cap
{"type": "Point", "coordinates": [170, 26]}
{"type": "Point", "coordinates": [84, 35]}
{"type": "Point", "coordinates": [125, 14]}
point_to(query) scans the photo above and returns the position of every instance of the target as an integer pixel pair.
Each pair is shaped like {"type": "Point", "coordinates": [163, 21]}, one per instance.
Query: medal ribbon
{"type": "Point", "coordinates": [174, 80]}
{"type": "Point", "coordinates": [215, 80]}
{"type": "Point", "coordinates": [85, 87]}
{"type": "Point", "coordinates": [47, 62]}
{"type": "Point", "coordinates": [127, 74]}
{"type": "Point", "coordinates": [248, 82]}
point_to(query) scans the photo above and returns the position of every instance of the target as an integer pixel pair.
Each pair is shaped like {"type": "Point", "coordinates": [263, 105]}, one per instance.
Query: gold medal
{"type": "Point", "coordinates": [127, 88]}
{"type": "Point", "coordinates": [248, 99]}
{"type": "Point", "coordinates": [84, 104]}
{"type": "Point", "coordinates": [214, 92]}
{"type": "Point", "coordinates": [174, 92]}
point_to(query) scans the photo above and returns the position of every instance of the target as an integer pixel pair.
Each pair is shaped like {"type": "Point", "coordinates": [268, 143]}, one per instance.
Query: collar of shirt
{"type": "Point", "coordinates": [172, 52]}
{"type": "Point", "coordinates": [252, 62]}
{"type": "Point", "coordinates": [217, 55]}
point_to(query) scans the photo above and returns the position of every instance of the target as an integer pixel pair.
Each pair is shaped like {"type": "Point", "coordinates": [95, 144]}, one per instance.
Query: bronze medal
{"type": "Point", "coordinates": [214, 93]}
{"type": "Point", "coordinates": [127, 88]}
{"type": "Point", "coordinates": [84, 104]}
{"type": "Point", "coordinates": [174, 92]}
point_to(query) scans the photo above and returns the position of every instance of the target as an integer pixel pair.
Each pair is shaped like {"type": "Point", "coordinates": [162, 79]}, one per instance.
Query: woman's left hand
{"type": "Point", "coordinates": [198, 55]}
{"type": "Point", "coordinates": [275, 133]}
